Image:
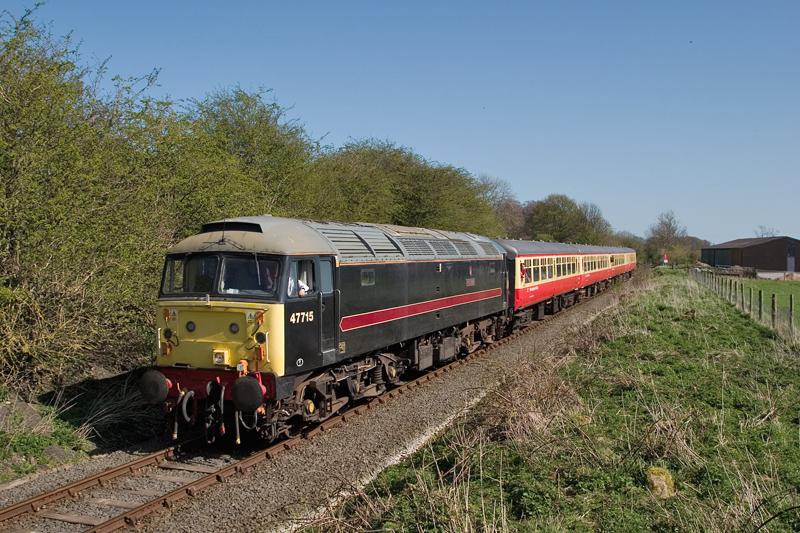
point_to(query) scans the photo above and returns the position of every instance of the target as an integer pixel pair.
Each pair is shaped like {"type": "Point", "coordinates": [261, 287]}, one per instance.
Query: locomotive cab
{"type": "Point", "coordinates": [244, 310]}
{"type": "Point", "coordinates": [217, 310]}
{"type": "Point", "coordinates": [236, 311]}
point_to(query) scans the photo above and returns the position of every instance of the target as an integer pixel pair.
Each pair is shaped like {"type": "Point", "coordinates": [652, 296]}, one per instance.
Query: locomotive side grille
{"type": "Point", "coordinates": [443, 248]}
{"type": "Point", "coordinates": [416, 247]}
{"type": "Point", "coordinates": [346, 241]}
{"type": "Point", "coordinates": [464, 248]}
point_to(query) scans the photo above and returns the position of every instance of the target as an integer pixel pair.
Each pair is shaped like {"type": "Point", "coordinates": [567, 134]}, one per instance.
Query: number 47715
{"type": "Point", "coordinates": [302, 316]}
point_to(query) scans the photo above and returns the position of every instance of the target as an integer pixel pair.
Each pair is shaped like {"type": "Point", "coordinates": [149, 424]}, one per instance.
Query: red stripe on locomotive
{"type": "Point", "coordinates": [404, 311]}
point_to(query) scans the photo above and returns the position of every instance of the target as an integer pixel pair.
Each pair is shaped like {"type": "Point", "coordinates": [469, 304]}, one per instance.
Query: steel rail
{"type": "Point", "coordinates": [35, 503]}
{"type": "Point", "coordinates": [130, 517]}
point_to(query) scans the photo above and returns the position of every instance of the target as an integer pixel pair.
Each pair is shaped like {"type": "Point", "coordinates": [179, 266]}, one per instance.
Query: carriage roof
{"type": "Point", "coordinates": [516, 248]}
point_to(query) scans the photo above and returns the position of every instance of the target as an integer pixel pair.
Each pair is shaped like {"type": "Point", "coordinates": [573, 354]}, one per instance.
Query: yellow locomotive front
{"type": "Point", "coordinates": [240, 326]}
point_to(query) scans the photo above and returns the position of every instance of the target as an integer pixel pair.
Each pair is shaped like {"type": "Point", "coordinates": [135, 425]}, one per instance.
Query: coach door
{"type": "Point", "coordinates": [327, 310]}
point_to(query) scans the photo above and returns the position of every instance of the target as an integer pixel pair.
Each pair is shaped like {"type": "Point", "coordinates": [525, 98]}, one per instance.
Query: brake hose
{"type": "Point", "coordinates": [186, 398]}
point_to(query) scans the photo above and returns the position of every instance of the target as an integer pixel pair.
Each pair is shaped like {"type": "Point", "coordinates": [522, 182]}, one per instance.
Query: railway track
{"type": "Point", "coordinates": [154, 466]}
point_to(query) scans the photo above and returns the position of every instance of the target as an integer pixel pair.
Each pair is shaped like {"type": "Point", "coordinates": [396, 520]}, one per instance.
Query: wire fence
{"type": "Point", "coordinates": [767, 308]}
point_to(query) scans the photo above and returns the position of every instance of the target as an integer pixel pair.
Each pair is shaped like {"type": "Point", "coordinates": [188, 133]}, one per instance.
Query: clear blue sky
{"type": "Point", "coordinates": [636, 106]}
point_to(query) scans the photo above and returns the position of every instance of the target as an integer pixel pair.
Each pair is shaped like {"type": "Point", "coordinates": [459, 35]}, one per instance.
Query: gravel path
{"type": "Point", "coordinates": [283, 493]}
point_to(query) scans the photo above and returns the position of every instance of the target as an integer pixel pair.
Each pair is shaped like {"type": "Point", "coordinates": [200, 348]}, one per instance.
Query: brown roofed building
{"type": "Point", "coordinates": [764, 253]}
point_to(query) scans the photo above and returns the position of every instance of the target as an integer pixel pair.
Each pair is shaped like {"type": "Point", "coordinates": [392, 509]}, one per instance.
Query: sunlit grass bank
{"type": "Point", "coordinates": [672, 411]}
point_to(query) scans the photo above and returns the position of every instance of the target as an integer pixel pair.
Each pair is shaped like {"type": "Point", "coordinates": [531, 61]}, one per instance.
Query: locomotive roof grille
{"type": "Point", "coordinates": [378, 241]}
{"type": "Point", "coordinates": [488, 248]}
{"type": "Point", "coordinates": [464, 248]}
{"type": "Point", "coordinates": [416, 247]}
{"type": "Point", "coordinates": [442, 247]}
{"type": "Point", "coordinates": [346, 241]}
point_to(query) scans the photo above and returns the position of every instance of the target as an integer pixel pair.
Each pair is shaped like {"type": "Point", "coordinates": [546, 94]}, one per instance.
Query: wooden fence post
{"type": "Point", "coordinates": [741, 297]}
{"type": "Point", "coordinates": [751, 301]}
{"type": "Point", "coordinates": [760, 305]}
{"type": "Point", "coordinates": [774, 309]}
{"type": "Point", "coordinates": [791, 314]}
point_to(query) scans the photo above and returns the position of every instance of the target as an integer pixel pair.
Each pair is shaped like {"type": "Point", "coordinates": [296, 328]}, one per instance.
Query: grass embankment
{"type": "Point", "coordinates": [63, 427]}
{"type": "Point", "coordinates": [782, 289]}
{"type": "Point", "coordinates": [672, 378]}
{"type": "Point", "coordinates": [34, 436]}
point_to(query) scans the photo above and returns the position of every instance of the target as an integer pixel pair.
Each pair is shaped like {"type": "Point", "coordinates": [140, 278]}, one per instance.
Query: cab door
{"type": "Point", "coordinates": [302, 316]}
{"type": "Point", "coordinates": [327, 310]}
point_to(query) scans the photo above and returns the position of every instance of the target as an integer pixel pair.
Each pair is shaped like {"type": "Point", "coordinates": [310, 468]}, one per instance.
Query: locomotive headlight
{"type": "Point", "coordinates": [168, 334]}
{"type": "Point", "coordinates": [234, 327]}
{"type": "Point", "coordinates": [261, 337]}
{"type": "Point", "coordinates": [190, 327]}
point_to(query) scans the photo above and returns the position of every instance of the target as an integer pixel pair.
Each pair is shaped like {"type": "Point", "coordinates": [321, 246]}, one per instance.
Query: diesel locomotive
{"type": "Point", "coordinates": [272, 324]}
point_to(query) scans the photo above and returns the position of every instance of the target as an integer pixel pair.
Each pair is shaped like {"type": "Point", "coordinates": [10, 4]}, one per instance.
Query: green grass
{"type": "Point", "coordinates": [674, 378]}
{"type": "Point", "coordinates": [26, 448]}
{"type": "Point", "coordinates": [782, 289]}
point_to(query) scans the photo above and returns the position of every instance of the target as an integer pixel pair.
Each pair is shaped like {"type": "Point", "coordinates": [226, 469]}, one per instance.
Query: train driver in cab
{"type": "Point", "coordinates": [301, 274]}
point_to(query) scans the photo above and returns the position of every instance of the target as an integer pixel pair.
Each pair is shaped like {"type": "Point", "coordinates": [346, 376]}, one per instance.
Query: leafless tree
{"type": "Point", "coordinates": [766, 231]}
{"type": "Point", "coordinates": [508, 209]}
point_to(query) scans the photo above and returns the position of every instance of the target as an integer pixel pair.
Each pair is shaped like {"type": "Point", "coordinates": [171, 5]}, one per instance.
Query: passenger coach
{"type": "Point", "coordinates": [549, 275]}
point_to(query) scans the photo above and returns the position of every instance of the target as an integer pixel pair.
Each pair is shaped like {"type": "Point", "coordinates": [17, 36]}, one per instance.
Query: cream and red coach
{"type": "Point", "coordinates": [238, 342]}
{"type": "Point", "coordinates": [551, 275]}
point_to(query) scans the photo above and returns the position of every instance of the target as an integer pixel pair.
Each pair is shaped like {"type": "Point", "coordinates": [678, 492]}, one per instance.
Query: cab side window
{"type": "Point", "coordinates": [325, 276]}
{"type": "Point", "coordinates": [301, 278]}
